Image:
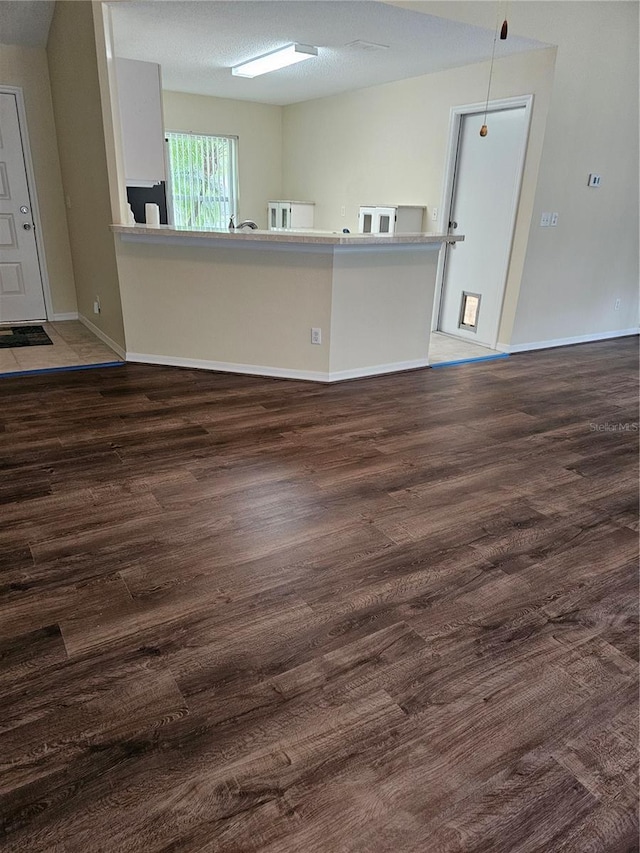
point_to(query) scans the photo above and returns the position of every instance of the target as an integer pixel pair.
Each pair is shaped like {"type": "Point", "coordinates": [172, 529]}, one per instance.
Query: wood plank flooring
{"type": "Point", "coordinates": [395, 614]}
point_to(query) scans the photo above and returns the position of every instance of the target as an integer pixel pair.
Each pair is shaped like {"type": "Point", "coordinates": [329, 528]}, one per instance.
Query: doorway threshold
{"type": "Point", "coordinates": [446, 349]}
{"type": "Point", "coordinates": [455, 362]}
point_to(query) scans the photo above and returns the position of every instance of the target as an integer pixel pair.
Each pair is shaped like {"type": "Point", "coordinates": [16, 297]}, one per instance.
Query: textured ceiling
{"type": "Point", "coordinates": [25, 22]}
{"type": "Point", "coordinates": [196, 43]}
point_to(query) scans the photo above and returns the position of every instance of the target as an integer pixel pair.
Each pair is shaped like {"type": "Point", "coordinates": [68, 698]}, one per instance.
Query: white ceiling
{"type": "Point", "coordinates": [25, 22]}
{"type": "Point", "coordinates": [196, 43]}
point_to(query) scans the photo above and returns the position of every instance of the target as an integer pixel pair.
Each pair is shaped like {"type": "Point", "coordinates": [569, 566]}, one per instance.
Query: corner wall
{"type": "Point", "coordinates": [26, 68]}
{"type": "Point", "coordinates": [73, 68]}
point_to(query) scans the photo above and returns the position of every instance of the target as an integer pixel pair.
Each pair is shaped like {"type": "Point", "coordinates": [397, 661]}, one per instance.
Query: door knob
{"type": "Point", "coordinates": [453, 224]}
{"type": "Point", "coordinates": [26, 226]}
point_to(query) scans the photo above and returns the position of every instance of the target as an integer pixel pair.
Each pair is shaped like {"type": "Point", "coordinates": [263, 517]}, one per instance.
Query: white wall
{"type": "Point", "coordinates": [259, 131]}
{"type": "Point", "coordinates": [26, 67]}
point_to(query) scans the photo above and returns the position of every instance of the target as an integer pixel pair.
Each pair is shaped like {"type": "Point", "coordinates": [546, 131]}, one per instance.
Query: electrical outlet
{"type": "Point", "coordinates": [434, 214]}
{"type": "Point", "coordinates": [316, 336]}
{"type": "Point", "coordinates": [96, 305]}
{"type": "Point", "coordinates": [594, 180]}
{"type": "Point", "coordinates": [343, 211]}
{"type": "Point", "coordinates": [545, 220]}
{"type": "Point", "coordinates": [554, 220]}
{"type": "Point", "coordinates": [616, 305]}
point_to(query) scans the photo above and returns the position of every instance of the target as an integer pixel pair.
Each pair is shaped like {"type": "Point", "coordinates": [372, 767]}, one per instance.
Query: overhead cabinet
{"type": "Point", "coordinates": [290, 215]}
{"type": "Point", "coordinates": [141, 121]}
{"type": "Point", "coordinates": [393, 219]}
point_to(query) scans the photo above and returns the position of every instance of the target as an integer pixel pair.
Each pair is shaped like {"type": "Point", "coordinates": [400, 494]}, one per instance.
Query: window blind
{"type": "Point", "coordinates": [203, 179]}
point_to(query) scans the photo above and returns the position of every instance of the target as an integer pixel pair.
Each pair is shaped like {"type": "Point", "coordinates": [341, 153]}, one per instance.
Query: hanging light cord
{"type": "Point", "coordinates": [493, 56]}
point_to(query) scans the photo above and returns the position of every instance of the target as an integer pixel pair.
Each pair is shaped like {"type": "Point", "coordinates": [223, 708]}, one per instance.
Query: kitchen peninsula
{"type": "Point", "coordinates": [247, 301]}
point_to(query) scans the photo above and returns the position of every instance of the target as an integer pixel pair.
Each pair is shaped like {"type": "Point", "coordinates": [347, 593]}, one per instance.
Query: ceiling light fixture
{"type": "Point", "coordinates": [276, 59]}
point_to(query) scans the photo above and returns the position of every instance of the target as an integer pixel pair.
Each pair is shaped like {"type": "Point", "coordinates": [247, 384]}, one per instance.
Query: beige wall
{"type": "Point", "coordinates": [388, 144]}
{"type": "Point", "coordinates": [259, 131]}
{"type": "Point", "coordinates": [572, 274]}
{"type": "Point", "coordinates": [26, 67]}
{"type": "Point", "coordinates": [251, 309]}
{"type": "Point", "coordinates": [229, 306]}
{"type": "Point", "coordinates": [73, 69]}
{"type": "Point", "coordinates": [563, 281]}
{"type": "Point", "coordinates": [381, 307]}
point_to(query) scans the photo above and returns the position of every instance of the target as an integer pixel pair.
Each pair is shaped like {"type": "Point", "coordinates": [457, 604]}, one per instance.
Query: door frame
{"type": "Point", "coordinates": [455, 127]}
{"type": "Point", "coordinates": [33, 195]}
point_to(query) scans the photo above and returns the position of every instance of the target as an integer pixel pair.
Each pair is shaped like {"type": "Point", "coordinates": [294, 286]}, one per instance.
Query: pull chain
{"type": "Point", "coordinates": [484, 130]}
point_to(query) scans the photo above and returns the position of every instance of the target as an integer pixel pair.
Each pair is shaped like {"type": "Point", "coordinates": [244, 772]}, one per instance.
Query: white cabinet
{"type": "Point", "coordinates": [393, 219]}
{"type": "Point", "coordinates": [290, 215]}
{"type": "Point", "coordinates": [141, 121]}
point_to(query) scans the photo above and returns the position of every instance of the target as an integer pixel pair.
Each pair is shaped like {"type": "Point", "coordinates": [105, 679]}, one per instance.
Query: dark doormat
{"type": "Point", "coordinates": [23, 336]}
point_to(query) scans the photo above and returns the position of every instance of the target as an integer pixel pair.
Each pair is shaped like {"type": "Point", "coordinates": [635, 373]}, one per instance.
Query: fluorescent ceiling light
{"type": "Point", "coordinates": [288, 55]}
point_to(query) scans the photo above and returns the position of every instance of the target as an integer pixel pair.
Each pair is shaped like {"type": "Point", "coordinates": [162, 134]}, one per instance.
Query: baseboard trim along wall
{"type": "Point", "coordinates": [104, 338]}
{"type": "Point", "coordinates": [377, 370]}
{"type": "Point", "coordinates": [565, 342]}
{"type": "Point", "coordinates": [70, 315]}
{"type": "Point", "coordinates": [275, 372]}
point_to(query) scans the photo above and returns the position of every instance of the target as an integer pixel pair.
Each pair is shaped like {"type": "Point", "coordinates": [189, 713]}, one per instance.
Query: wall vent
{"type": "Point", "coordinates": [358, 44]}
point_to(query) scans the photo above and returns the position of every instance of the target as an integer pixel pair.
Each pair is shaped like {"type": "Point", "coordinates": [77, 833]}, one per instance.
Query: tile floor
{"type": "Point", "coordinates": [73, 345]}
{"type": "Point", "coordinates": [446, 348]}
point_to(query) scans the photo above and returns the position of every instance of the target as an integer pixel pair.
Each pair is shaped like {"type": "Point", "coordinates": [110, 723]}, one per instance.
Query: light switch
{"type": "Point", "coordinates": [554, 220]}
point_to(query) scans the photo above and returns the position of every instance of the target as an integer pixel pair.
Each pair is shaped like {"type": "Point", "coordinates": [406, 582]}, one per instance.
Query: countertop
{"type": "Point", "coordinates": [326, 238]}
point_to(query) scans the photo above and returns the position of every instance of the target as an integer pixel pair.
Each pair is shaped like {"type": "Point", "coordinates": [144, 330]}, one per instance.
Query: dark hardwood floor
{"type": "Point", "coordinates": [395, 614]}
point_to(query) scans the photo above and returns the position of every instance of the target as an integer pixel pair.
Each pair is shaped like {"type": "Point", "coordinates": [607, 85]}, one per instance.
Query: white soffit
{"type": "Point", "coordinates": [360, 43]}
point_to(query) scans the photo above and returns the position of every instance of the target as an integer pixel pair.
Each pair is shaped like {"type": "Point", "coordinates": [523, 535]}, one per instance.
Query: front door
{"type": "Point", "coordinates": [21, 294]}
{"type": "Point", "coordinates": [485, 195]}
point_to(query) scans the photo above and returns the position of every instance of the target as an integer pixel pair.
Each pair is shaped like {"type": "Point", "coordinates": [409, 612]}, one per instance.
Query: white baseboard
{"type": "Point", "coordinates": [70, 315]}
{"type": "Point", "coordinates": [104, 338]}
{"type": "Point", "coordinates": [228, 367]}
{"type": "Point", "coordinates": [378, 370]}
{"type": "Point", "coordinates": [274, 372]}
{"type": "Point", "coordinates": [565, 342]}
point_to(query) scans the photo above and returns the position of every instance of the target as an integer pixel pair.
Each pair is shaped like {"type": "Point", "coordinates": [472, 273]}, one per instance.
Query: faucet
{"type": "Point", "coordinates": [247, 223]}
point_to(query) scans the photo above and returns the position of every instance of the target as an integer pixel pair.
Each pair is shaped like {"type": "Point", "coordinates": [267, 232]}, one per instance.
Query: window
{"type": "Point", "coordinates": [203, 178]}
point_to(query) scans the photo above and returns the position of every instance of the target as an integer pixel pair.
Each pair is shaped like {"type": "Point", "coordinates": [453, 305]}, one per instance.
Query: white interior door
{"type": "Point", "coordinates": [485, 193]}
{"type": "Point", "coordinates": [21, 293]}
